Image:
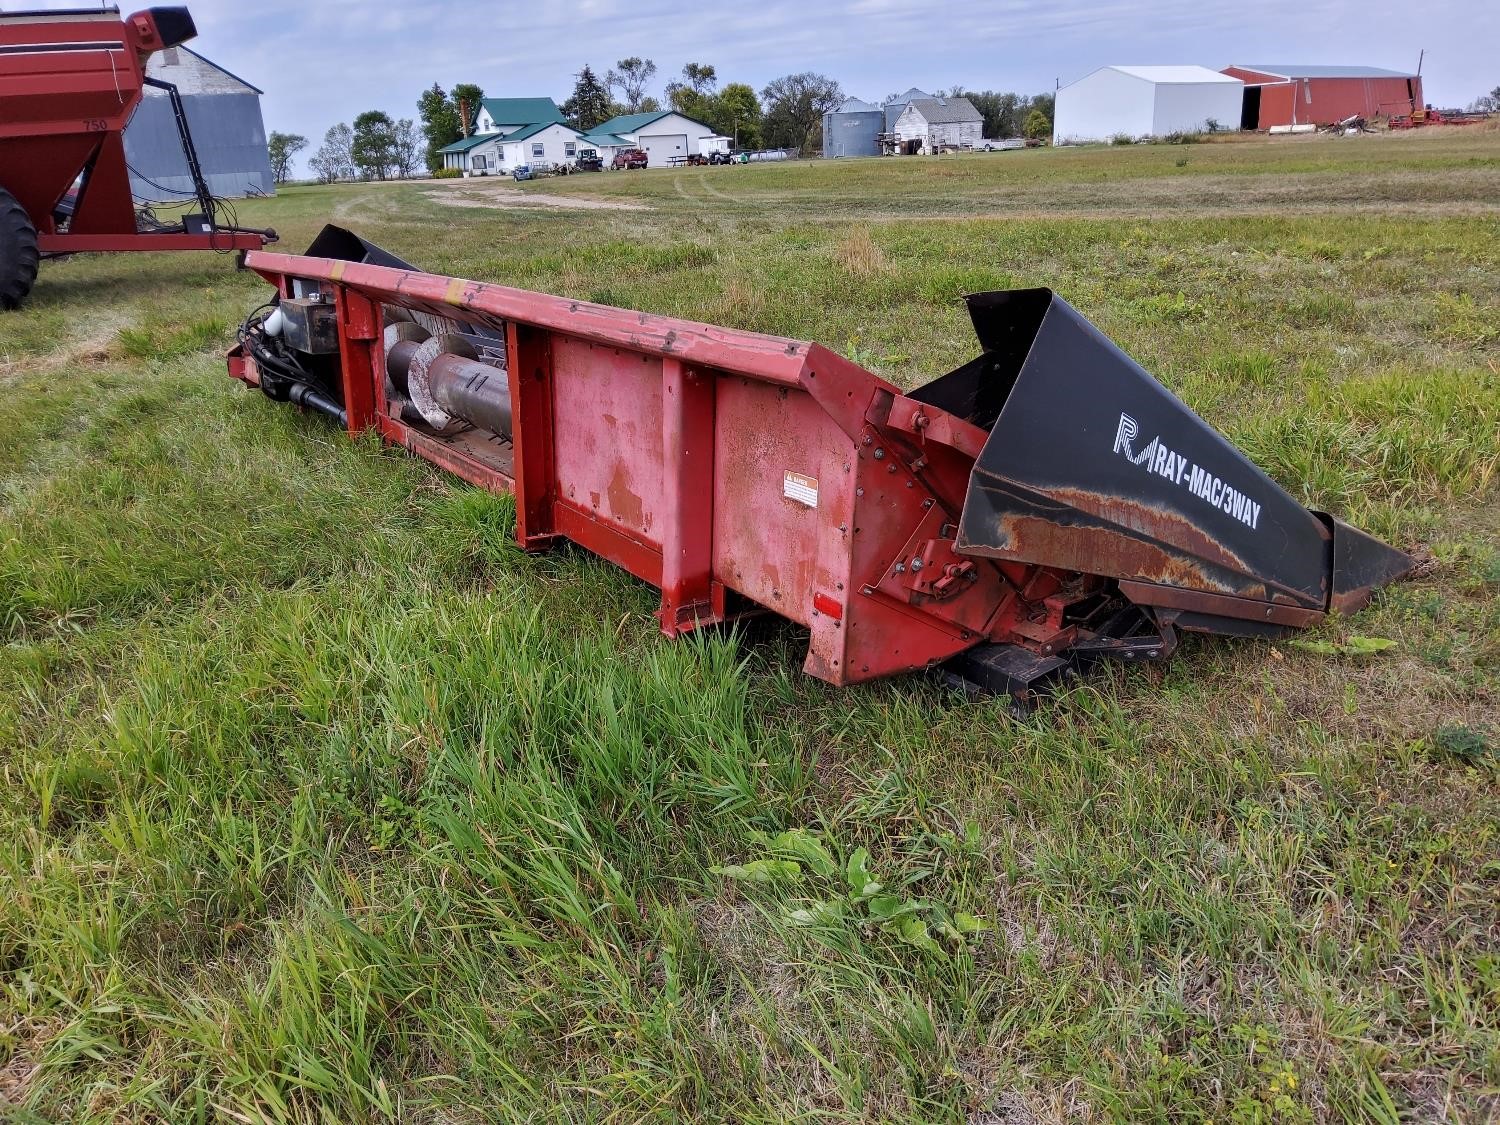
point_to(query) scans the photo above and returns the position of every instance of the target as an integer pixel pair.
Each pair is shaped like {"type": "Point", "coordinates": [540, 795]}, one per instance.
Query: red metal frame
{"type": "Point", "coordinates": [69, 83]}
{"type": "Point", "coordinates": [707, 461]}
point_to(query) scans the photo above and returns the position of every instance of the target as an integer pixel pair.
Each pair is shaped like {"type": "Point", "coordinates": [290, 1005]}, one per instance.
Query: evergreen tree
{"type": "Point", "coordinates": [590, 105]}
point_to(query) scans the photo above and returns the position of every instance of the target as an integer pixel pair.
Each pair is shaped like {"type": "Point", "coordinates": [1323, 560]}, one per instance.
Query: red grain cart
{"type": "Point", "coordinates": [69, 83]}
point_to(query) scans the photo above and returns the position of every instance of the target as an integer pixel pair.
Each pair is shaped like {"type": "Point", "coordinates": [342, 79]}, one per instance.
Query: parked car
{"type": "Point", "coordinates": [523, 172]}
{"type": "Point", "coordinates": [717, 157]}
{"type": "Point", "coordinates": [630, 158]}
{"type": "Point", "coordinates": [589, 160]}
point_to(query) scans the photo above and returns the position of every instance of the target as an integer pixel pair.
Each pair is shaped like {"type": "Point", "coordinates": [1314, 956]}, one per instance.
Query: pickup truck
{"type": "Point", "coordinates": [630, 158]}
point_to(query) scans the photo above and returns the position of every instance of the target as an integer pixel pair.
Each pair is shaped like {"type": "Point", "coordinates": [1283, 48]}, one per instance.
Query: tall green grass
{"type": "Point", "coordinates": [323, 802]}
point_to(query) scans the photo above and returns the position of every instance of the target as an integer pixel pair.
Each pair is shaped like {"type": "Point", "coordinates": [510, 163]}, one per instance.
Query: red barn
{"type": "Point", "coordinates": [1321, 95]}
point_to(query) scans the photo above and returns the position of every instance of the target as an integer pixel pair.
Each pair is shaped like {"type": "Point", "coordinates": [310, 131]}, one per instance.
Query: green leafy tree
{"type": "Point", "coordinates": [590, 105]}
{"type": "Point", "coordinates": [374, 147]}
{"type": "Point", "coordinates": [281, 148]}
{"type": "Point", "coordinates": [649, 105]}
{"type": "Point", "coordinates": [439, 124]}
{"type": "Point", "coordinates": [795, 105]}
{"type": "Point", "coordinates": [1038, 126]}
{"type": "Point", "coordinates": [701, 77]}
{"type": "Point", "coordinates": [735, 112]}
{"type": "Point", "coordinates": [1487, 103]}
{"type": "Point", "coordinates": [334, 159]}
{"type": "Point", "coordinates": [467, 96]}
{"type": "Point", "coordinates": [631, 77]}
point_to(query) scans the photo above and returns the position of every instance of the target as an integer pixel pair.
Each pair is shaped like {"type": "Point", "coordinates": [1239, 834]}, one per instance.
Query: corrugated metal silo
{"type": "Point", "coordinates": [853, 129]}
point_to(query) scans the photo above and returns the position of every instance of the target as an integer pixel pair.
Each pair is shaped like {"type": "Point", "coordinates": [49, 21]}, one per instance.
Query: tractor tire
{"type": "Point", "coordinates": [18, 255]}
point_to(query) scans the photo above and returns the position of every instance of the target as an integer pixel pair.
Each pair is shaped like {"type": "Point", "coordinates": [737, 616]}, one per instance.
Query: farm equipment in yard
{"type": "Point", "coordinates": [1044, 504]}
{"type": "Point", "coordinates": [69, 82]}
{"type": "Point", "coordinates": [1420, 118]}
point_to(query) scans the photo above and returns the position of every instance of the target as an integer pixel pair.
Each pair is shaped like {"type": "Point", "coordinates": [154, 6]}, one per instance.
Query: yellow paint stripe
{"type": "Point", "coordinates": [337, 273]}
{"type": "Point", "coordinates": [455, 293]}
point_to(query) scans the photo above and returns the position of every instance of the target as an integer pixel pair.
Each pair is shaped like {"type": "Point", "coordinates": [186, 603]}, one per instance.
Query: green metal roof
{"type": "Point", "coordinates": [532, 130]}
{"type": "Point", "coordinates": [635, 122]}
{"type": "Point", "coordinates": [504, 138]}
{"type": "Point", "coordinates": [465, 144]}
{"type": "Point", "coordinates": [608, 140]}
{"type": "Point", "coordinates": [630, 122]}
{"type": "Point", "coordinates": [522, 111]}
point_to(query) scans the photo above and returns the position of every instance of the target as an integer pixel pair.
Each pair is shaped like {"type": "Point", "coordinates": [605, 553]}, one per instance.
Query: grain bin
{"type": "Point", "coordinates": [853, 129]}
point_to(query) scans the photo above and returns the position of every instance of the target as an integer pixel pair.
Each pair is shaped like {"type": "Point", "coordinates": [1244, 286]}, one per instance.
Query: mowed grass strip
{"type": "Point", "coordinates": [323, 802]}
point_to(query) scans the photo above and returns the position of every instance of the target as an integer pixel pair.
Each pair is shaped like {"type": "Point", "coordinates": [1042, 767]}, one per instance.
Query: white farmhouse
{"type": "Point", "coordinates": [927, 125]}
{"type": "Point", "coordinates": [490, 154]}
{"type": "Point", "coordinates": [1145, 101]}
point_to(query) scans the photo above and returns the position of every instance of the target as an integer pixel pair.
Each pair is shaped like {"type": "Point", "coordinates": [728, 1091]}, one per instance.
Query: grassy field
{"type": "Point", "coordinates": [321, 802]}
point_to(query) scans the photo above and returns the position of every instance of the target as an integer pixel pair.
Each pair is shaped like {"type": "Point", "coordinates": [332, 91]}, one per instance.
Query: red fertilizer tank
{"type": "Point", "coordinates": [69, 83]}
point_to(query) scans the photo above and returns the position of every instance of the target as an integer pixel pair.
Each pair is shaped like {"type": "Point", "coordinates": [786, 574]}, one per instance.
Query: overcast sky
{"type": "Point", "coordinates": [324, 61]}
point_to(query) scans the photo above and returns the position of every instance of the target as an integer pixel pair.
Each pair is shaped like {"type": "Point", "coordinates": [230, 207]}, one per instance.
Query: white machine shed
{"type": "Point", "coordinates": [1146, 101]}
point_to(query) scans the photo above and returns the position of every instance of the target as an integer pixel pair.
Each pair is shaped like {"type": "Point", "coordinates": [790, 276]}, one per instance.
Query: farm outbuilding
{"type": "Point", "coordinates": [853, 129]}
{"type": "Point", "coordinates": [929, 125]}
{"type": "Point", "coordinates": [1146, 101]}
{"type": "Point", "coordinates": [666, 136]}
{"type": "Point", "coordinates": [229, 134]}
{"type": "Point", "coordinates": [1321, 95]}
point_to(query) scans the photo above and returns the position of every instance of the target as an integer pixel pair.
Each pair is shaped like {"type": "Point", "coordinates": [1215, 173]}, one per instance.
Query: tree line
{"type": "Point", "coordinates": [373, 148]}
{"type": "Point", "coordinates": [786, 113]}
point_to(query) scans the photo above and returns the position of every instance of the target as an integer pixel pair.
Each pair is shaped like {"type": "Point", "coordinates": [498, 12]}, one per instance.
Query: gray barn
{"type": "Point", "coordinates": [853, 129]}
{"type": "Point", "coordinates": [229, 134]}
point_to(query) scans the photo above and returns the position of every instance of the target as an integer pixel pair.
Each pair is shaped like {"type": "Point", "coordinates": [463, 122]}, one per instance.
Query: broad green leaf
{"type": "Point", "coordinates": [1325, 648]}
{"type": "Point", "coordinates": [806, 847]}
{"type": "Point", "coordinates": [861, 883]}
{"type": "Point", "coordinates": [913, 931]}
{"type": "Point", "coordinates": [761, 870]}
{"type": "Point", "coordinates": [817, 914]}
{"type": "Point", "coordinates": [887, 907]}
{"type": "Point", "coordinates": [968, 924]}
{"type": "Point", "coordinates": [1354, 646]}
{"type": "Point", "coordinates": [1366, 646]}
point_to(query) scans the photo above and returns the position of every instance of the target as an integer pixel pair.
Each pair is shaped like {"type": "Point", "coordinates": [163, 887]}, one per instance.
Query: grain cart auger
{"type": "Point", "coordinates": [1044, 504]}
{"type": "Point", "coordinates": [69, 82]}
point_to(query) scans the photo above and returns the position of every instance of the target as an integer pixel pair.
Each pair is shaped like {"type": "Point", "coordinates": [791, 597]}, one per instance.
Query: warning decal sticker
{"type": "Point", "coordinates": [800, 488]}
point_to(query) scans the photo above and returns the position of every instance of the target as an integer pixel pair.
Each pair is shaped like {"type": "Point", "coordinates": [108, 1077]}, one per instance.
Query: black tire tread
{"type": "Point", "coordinates": [18, 252]}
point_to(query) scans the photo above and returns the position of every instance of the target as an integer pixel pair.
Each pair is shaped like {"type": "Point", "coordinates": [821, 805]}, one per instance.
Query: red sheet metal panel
{"type": "Point", "coordinates": [706, 460]}
{"type": "Point", "coordinates": [1324, 101]}
{"type": "Point", "coordinates": [608, 459]}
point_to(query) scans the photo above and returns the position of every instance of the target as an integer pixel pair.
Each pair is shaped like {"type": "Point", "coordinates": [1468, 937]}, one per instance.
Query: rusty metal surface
{"type": "Point", "coordinates": [1091, 465]}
